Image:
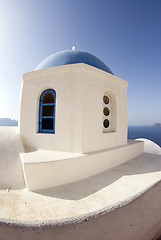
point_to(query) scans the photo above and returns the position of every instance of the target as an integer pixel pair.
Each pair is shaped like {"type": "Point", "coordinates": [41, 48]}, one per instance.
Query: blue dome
{"type": "Point", "coordinates": [71, 57]}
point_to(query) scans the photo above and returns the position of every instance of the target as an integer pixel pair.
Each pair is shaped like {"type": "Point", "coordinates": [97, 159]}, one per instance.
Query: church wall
{"type": "Point", "coordinates": [68, 116]}
{"type": "Point", "coordinates": [96, 84]}
{"type": "Point", "coordinates": [79, 109]}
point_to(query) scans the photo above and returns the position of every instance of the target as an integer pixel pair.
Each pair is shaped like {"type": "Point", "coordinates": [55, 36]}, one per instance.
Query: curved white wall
{"type": "Point", "coordinates": [137, 220]}
{"type": "Point", "coordinates": [150, 147]}
{"type": "Point", "coordinates": [11, 172]}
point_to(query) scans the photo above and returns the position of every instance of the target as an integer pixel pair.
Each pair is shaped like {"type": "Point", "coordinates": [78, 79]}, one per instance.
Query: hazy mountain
{"type": "Point", "coordinates": [156, 125]}
{"type": "Point", "coordinates": [8, 122]}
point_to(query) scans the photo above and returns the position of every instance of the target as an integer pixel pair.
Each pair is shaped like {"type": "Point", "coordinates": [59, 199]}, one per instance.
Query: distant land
{"type": "Point", "coordinates": [8, 122]}
{"type": "Point", "coordinates": [13, 122]}
{"type": "Point", "coordinates": [156, 125]}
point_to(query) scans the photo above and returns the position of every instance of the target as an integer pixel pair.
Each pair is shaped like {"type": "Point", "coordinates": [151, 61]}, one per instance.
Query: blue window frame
{"type": "Point", "coordinates": [47, 111]}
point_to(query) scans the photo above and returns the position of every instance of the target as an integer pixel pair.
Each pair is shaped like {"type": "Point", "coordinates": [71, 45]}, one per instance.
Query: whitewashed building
{"type": "Point", "coordinates": [73, 104]}
{"type": "Point", "coordinates": [68, 171]}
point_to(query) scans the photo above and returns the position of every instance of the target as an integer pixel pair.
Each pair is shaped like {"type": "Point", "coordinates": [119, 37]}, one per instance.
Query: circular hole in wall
{"type": "Point", "coordinates": [106, 123]}
{"type": "Point", "coordinates": [106, 111]}
{"type": "Point", "coordinates": [105, 99]}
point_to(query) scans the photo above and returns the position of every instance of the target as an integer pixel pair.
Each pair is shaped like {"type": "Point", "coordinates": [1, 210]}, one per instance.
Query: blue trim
{"type": "Point", "coordinates": [48, 104]}
{"type": "Point", "coordinates": [41, 104]}
{"type": "Point", "coordinates": [47, 117]}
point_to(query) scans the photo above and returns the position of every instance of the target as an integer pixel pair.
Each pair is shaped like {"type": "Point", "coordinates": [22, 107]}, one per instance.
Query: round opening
{"type": "Point", "coordinates": [106, 123]}
{"type": "Point", "coordinates": [106, 111]}
{"type": "Point", "coordinates": [105, 99]}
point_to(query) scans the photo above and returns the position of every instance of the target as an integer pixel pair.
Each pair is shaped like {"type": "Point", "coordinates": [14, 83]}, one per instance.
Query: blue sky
{"type": "Point", "coordinates": [124, 34]}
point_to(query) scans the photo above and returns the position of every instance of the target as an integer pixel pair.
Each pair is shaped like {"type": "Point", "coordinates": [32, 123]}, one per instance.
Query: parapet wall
{"type": "Point", "coordinates": [58, 169]}
{"type": "Point", "coordinates": [136, 218]}
{"type": "Point", "coordinates": [11, 172]}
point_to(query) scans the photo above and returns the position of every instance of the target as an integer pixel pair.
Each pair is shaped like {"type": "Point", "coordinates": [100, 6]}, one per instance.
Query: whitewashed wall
{"type": "Point", "coordinates": [79, 96]}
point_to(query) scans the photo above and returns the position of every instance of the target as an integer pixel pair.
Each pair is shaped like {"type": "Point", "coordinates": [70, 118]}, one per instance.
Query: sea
{"type": "Point", "coordinates": [148, 132]}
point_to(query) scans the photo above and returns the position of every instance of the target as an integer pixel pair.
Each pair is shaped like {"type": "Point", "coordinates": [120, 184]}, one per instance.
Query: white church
{"type": "Point", "coordinates": [72, 129]}
{"type": "Point", "coordinates": [73, 104]}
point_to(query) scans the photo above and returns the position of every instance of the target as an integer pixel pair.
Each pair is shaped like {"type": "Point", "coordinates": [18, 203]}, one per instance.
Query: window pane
{"type": "Point", "coordinates": [105, 99]}
{"type": "Point", "coordinates": [106, 111]}
{"type": "Point", "coordinates": [106, 123]}
{"type": "Point", "coordinates": [48, 110]}
{"type": "Point", "coordinates": [48, 98]}
{"type": "Point", "coordinates": [47, 123]}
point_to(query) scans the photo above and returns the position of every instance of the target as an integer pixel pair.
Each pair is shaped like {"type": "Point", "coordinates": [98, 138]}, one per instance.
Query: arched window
{"type": "Point", "coordinates": [47, 111]}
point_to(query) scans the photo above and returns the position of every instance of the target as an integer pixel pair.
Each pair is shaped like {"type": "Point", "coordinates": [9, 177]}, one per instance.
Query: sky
{"type": "Point", "coordinates": [124, 34]}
